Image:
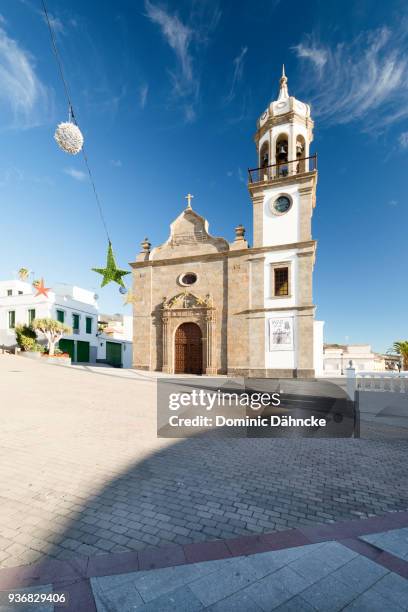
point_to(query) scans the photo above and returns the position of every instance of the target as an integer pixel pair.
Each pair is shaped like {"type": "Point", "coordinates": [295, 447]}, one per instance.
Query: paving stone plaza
{"type": "Point", "coordinates": [84, 476]}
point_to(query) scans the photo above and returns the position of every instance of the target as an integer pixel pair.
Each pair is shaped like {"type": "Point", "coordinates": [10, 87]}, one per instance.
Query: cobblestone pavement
{"type": "Point", "coordinates": [83, 473]}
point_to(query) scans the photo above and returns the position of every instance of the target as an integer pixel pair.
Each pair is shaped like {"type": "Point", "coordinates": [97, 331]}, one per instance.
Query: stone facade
{"type": "Point", "coordinates": [162, 303]}
{"type": "Point", "coordinates": [226, 301]}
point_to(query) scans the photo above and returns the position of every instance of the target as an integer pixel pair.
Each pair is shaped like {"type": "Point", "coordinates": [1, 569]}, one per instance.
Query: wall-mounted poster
{"type": "Point", "coordinates": [281, 334]}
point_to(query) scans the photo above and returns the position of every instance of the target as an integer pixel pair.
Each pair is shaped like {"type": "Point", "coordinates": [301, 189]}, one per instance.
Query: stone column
{"type": "Point", "coordinates": [305, 366]}
{"type": "Point", "coordinates": [305, 316]}
{"type": "Point", "coordinates": [256, 318]}
{"type": "Point", "coordinates": [306, 208]}
{"type": "Point", "coordinates": [210, 368]}
{"type": "Point", "coordinates": [305, 278]}
{"type": "Point", "coordinates": [257, 201]}
{"type": "Point", "coordinates": [165, 343]}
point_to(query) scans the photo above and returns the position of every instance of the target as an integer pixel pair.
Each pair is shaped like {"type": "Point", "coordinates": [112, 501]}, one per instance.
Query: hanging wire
{"type": "Point", "coordinates": [71, 114]}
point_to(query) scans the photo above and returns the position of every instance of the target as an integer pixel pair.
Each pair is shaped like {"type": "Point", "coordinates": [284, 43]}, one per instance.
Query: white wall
{"type": "Point", "coordinates": [75, 293]}
{"type": "Point", "coordinates": [127, 354]}
{"type": "Point", "coordinates": [318, 347]}
{"type": "Point", "coordinates": [128, 327]}
{"type": "Point", "coordinates": [281, 229]}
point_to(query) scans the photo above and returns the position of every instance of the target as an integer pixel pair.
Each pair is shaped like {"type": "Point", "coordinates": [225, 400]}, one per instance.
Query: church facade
{"type": "Point", "coordinates": [203, 305]}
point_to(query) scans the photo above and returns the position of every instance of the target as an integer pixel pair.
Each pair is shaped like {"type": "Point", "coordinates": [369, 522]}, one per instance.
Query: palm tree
{"type": "Point", "coordinates": [23, 274]}
{"type": "Point", "coordinates": [401, 348]}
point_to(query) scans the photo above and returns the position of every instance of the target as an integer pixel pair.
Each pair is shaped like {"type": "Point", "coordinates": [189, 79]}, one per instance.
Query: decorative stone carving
{"type": "Point", "coordinates": [187, 300]}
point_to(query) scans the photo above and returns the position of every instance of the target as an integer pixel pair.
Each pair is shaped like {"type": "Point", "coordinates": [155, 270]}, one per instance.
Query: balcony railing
{"type": "Point", "coordinates": [275, 172]}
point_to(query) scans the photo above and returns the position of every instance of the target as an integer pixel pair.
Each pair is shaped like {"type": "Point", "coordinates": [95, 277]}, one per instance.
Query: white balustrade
{"type": "Point", "coordinates": [396, 382]}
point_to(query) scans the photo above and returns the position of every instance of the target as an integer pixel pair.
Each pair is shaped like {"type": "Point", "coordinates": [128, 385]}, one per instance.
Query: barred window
{"type": "Point", "coordinates": [281, 281]}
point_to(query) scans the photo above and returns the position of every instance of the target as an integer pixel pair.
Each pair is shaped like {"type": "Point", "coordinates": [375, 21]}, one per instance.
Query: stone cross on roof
{"type": "Point", "coordinates": [189, 197]}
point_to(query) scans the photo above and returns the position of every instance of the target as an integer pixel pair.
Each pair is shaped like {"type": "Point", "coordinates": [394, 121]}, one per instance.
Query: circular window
{"type": "Point", "coordinates": [187, 279]}
{"type": "Point", "coordinates": [281, 205]}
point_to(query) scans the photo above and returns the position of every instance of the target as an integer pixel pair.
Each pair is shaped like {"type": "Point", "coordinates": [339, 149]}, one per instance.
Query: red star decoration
{"type": "Point", "coordinates": [41, 290]}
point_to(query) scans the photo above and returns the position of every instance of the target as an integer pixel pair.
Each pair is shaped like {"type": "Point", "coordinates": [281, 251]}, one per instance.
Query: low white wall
{"type": "Point", "coordinates": [318, 347]}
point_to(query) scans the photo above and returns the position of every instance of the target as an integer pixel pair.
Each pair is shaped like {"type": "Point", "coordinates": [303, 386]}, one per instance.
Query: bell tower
{"type": "Point", "coordinates": [283, 192]}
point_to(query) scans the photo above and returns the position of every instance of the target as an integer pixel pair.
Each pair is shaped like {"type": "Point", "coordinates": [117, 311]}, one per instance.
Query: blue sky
{"type": "Point", "coordinates": [167, 95]}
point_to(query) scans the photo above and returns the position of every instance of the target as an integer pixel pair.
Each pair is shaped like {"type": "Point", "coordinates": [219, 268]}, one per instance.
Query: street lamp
{"type": "Point", "coordinates": [342, 370]}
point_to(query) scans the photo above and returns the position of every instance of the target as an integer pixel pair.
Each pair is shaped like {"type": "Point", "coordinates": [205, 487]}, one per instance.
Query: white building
{"type": "Point", "coordinates": [69, 304]}
{"type": "Point", "coordinates": [337, 357]}
{"type": "Point", "coordinates": [115, 342]}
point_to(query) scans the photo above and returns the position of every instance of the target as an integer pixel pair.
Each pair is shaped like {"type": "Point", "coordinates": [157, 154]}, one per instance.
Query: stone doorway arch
{"type": "Point", "coordinates": [188, 308]}
{"type": "Point", "coordinates": [188, 349]}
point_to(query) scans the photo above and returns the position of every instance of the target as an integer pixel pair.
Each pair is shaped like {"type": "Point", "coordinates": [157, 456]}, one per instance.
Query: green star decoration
{"type": "Point", "coordinates": [111, 273]}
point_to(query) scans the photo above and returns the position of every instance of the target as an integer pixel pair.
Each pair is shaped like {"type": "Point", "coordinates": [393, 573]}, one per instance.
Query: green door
{"type": "Point", "coordinates": [67, 346]}
{"type": "Point", "coordinates": [82, 351]}
{"type": "Point", "coordinates": [114, 354]}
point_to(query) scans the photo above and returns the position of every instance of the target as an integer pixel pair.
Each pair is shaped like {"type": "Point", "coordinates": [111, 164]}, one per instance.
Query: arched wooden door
{"type": "Point", "coordinates": [188, 349]}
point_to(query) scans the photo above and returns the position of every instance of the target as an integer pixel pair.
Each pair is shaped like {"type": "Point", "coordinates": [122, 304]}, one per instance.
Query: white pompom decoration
{"type": "Point", "coordinates": [69, 137]}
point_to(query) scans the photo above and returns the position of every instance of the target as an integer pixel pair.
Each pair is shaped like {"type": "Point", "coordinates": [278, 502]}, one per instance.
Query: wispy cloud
{"type": "Point", "coordinates": [244, 110]}
{"type": "Point", "coordinates": [363, 80]}
{"type": "Point", "coordinates": [78, 175]}
{"type": "Point", "coordinates": [183, 37]}
{"type": "Point", "coordinates": [24, 100]}
{"type": "Point", "coordinates": [143, 91]}
{"type": "Point", "coordinates": [189, 113]}
{"type": "Point", "coordinates": [13, 176]}
{"type": "Point", "coordinates": [309, 51]}
{"type": "Point", "coordinates": [403, 140]}
{"type": "Point", "coordinates": [238, 64]}
{"type": "Point", "coordinates": [117, 163]}
{"type": "Point", "coordinates": [393, 203]}
{"type": "Point", "coordinates": [179, 37]}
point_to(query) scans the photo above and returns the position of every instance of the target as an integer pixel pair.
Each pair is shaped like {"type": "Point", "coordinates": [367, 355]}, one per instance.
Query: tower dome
{"type": "Point", "coordinates": [284, 104]}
